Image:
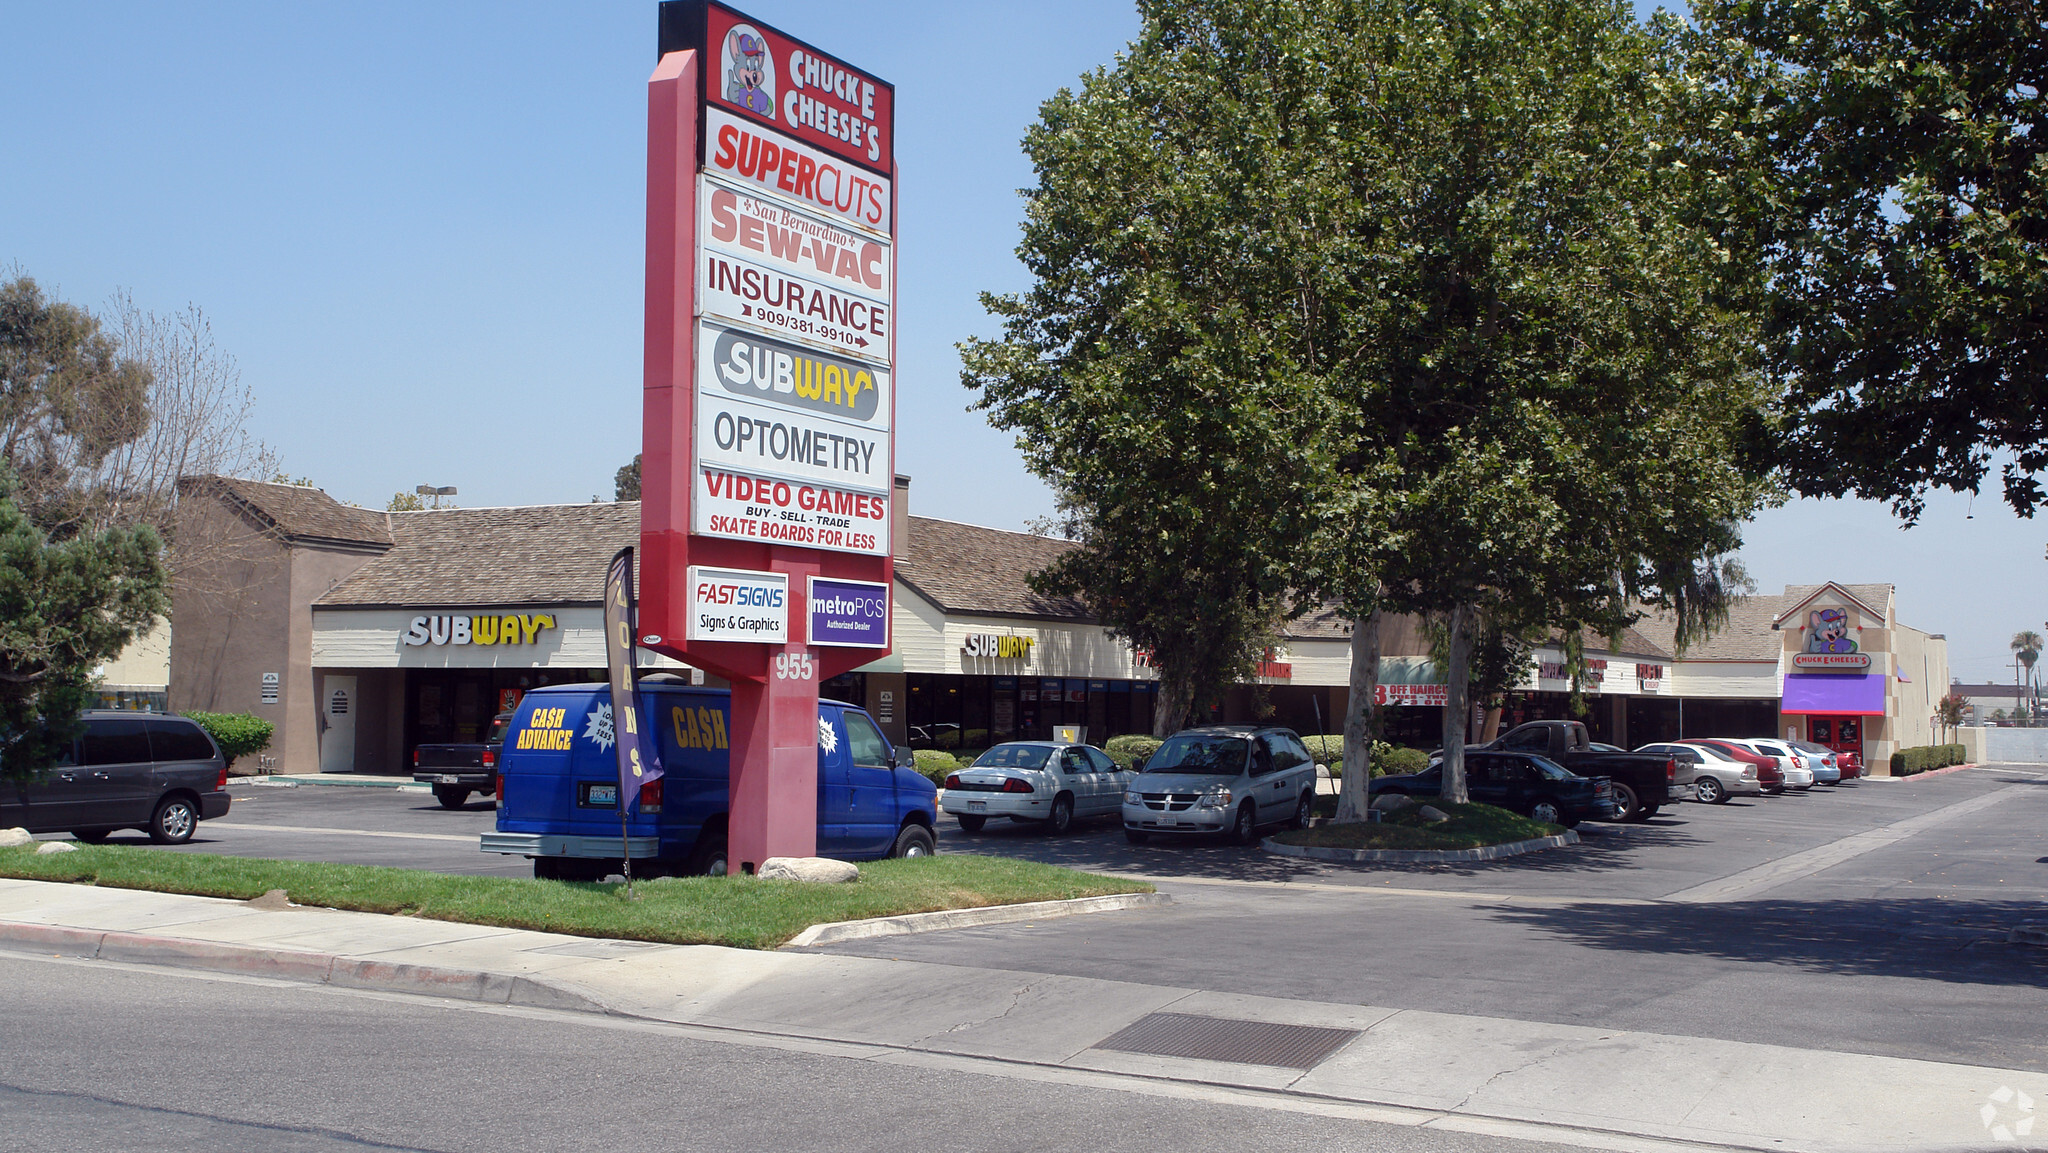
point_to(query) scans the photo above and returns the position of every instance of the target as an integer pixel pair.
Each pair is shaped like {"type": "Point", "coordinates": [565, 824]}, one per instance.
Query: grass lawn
{"type": "Point", "coordinates": [1470, 827]}
{"type": "Point", "coordinates": [737, 911]}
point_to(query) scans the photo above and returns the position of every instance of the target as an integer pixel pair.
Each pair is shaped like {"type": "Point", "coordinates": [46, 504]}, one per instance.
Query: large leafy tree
{"type": "Point", "coordinates": [1158, 370]}
{"type": "Point", "coordinates": [1898, 150]}
{"type": "Point", "coordinates": [1544, 363]}
{"type": "Point", "coordinates": [65, 608]}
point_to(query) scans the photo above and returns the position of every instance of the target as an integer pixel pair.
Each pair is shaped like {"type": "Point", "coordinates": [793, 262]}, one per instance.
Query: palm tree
{"type": "Point", "coordinates": [2026, 648]}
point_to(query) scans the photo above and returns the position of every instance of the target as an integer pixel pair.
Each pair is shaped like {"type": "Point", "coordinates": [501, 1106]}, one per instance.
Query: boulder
{"type": "Point", "coordinates": [1392, 802]}
{"type": "Point", "coordinates": [56, 847]}
{"type": "Point", "coordinates": [1433, 814]}
{"type": "Point", "coordinates": [821, 869]}
{"type": "Point", "coordinates": [12, 837]}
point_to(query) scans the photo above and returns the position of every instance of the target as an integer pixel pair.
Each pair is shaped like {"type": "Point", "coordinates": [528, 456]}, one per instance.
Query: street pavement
{"type": "Point", "coordinates": [1827, 971]}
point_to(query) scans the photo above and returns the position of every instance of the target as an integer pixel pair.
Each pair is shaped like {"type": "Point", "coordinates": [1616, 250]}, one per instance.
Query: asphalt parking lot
{"type": "Point", "coordinates": [1866, 918]}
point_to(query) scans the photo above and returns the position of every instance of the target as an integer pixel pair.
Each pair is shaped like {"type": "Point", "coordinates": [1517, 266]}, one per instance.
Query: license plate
{"type": "Point", "coordinates": [601, 796]}
{"type": "Point", "coordinates": [1169, 820]}
{"type": "Point", "coordinates": [449, 779]}
{"type": "Point", "coordinates": [976, 805]}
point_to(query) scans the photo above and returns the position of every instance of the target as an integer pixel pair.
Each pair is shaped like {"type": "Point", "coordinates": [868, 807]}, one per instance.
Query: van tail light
{"type": "Point", "coordinates": [650, 796]}
{"type": "Point", "coordinates": [1016, 785]}
{"type": "Point", "coordinates": [952, 780]}
{"type": "Point", "coordinates": [490, 758]}
{"type": "Point", "coordinates": [1670, 769]}
{"type": "Point", "coordinates": [499, 789]}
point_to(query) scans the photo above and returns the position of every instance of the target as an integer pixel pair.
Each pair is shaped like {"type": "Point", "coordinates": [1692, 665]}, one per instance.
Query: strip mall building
{"type": "Point", "coordinates": [363, 634]}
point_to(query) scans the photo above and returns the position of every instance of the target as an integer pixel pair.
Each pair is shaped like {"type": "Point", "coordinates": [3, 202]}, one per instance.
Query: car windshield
{"type": "Point", "coordinates": [1014, 757]}
{"type": "Point", "coordinates": [1200, 754]}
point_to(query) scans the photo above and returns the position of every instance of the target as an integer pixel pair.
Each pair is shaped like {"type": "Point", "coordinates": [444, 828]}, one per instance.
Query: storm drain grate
{"type": "Point", "coordinates": [1219, 1039]}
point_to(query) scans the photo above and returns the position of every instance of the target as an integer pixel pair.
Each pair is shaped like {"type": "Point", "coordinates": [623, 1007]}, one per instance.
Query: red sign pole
{"type": "Point", "coordinates": [811, 140]}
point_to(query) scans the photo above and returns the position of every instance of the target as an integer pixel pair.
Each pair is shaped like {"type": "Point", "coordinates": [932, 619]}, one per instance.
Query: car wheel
{"type": "Point", "coordinates": [451, 798]}
{"type": "Point", "coordinates": [91, 836]}
{"type": "Point", "coordinates": [915, 841]}
{"type": "Point", "coordinates": [1135, 837]}
{"type": "Point", "coordinates": [971, 822]}
{"type": "Point", "coordinates": [1547, 812]}
{"type": "Point", "coordinates": [1303, 811]}
{"type": "Point", "coordinates": [1626, 806]}
{"type": "Point", "coordinates": [1245, 829]}
{"type": "Point", "coordinates": [1062, 814]}
{"type": "Point", "coordinates": [1709, 791]}
{"type": "Point", "coordinates": [173, 822]}
{"type": "Point", "coordinates": [707, 859]}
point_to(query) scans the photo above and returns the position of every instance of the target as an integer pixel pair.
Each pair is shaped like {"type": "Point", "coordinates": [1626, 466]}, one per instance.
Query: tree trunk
{"type": "Point", "coordinates": [1457, 705]}
{"type": "Point", "coordinates": [1361, 719]}
{"type": "Point", "coordinates": [1170, 706]}
{"type": "Point", "coordinates": [1491, 730]}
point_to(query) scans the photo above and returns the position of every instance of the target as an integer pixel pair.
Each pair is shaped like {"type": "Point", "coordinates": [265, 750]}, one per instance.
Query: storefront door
{"type": "Point", "coordinates": [1842, 734]}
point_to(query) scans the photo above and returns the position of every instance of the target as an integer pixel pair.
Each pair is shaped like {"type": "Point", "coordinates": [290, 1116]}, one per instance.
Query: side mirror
{"type": "Point", "coordinates": [1138, 765]}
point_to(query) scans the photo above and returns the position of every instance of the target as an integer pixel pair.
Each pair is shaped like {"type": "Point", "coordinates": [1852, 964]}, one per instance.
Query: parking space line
{"type": "Point", "coordinates": [1784, 870]}
{"type": "Point", "coordinates": [471, 839]}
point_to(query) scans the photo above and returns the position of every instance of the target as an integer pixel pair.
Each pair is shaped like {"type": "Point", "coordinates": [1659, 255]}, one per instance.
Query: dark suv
{"type": "Point", "coordinates": [126, 771]}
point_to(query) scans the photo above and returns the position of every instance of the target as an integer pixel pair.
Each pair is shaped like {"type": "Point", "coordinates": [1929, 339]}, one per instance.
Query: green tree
{"type": "Point", "coordinates": [1896, 152]}
{"type": "Point", "coordinates": [1544, 363]}
{"type": "Point", "coordinates": [68, 399]}
{"type": "Point", "coordinates": [402, 501]}
{"type": "Point", "coordinates": [1154, 370]}
{"type": "Point", "coordinates": [65, 608]}
{"type": "Point", "coordinates": [626, 484]}
{"type": "Point", "coordinates": [1948, 712]}
{"type": "Point", "coordinates": [2026, 649]}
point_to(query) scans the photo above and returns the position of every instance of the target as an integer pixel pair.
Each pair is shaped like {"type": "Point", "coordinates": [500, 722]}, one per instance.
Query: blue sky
{"type": "Point", "coordinates": [418, 228]}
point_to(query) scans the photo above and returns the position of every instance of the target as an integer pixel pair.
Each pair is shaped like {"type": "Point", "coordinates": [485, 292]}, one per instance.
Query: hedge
{"type": "Point", "coordinates": [1923, 758]}
{"type": "Point", "coordinates": [237, 734]}
{"type": "Point", "coordinates": [935, 765]}
{"type": "Point", "coordinates": [1387, 759]}
{"type": "Point", "coordinates": [1129, 749]}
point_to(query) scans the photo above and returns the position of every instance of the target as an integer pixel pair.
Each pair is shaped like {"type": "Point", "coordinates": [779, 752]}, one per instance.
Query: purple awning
{"type": "Point", "coordinates": [1857, 695]}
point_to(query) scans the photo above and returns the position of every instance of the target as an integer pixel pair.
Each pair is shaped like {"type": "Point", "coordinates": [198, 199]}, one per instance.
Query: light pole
{"type": "Point", "coordinates": [436, 493]}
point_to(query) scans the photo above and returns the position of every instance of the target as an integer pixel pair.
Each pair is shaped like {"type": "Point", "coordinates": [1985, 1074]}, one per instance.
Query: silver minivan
{"type": "Point", "coordinates": [1228, 779]}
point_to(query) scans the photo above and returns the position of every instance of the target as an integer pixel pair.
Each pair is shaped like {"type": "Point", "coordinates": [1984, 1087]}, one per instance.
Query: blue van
{"type": "Point", "coordinates": [559, 778]}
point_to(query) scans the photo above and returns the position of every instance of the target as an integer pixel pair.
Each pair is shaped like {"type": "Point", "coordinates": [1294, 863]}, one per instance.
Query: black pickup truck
{"type": "Point", "coordinates": [457, 770]}
{"type": "Point", "coordinates": [1643, 783]}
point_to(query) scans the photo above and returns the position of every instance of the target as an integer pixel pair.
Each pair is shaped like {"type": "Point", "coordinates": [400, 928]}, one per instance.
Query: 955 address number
{"type": "Point", "coordinates": [795, 667]}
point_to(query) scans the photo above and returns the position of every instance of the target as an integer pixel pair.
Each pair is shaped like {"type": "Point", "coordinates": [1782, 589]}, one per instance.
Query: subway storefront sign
{"type": "Point", "coordinates": [478, 629]}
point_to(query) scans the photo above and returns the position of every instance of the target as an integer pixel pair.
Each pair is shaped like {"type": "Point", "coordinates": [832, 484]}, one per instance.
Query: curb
{"type": "Point", "coordinates": [1422, 856]}
{"type": "Point", "coordinates": [289, 965]}
{"type": "Point", "coordinates": [837, 931]}
{"type": "Point", "coordinates": [294, 780]}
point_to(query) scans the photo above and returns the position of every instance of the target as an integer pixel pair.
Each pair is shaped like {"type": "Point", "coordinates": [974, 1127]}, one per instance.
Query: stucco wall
{"type": "Point", "coordinates": [2022, 746]}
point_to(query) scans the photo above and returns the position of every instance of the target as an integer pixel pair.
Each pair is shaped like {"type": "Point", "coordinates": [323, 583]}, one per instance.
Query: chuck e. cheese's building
{"type": "Point", "coordinates": [364, 634]}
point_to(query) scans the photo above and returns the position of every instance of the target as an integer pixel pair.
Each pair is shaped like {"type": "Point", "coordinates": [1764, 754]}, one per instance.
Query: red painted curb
{"type": "Point", "coordinates": [1936, 772]}
{"type": "Point", "coordinates": [293, 965]}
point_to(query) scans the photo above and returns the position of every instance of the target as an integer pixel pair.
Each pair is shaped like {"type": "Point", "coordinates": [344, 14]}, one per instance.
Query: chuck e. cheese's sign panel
{"type": "Point", "coordinates": [769, 78]}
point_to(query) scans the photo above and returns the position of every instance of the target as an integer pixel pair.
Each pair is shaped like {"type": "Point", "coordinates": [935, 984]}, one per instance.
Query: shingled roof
{"type": "Point", "coordinates": [964, 568]}
{"type": "Point", "coordinates": [552, 554]}
{"type": "Point", "coordinates": [296, 512]}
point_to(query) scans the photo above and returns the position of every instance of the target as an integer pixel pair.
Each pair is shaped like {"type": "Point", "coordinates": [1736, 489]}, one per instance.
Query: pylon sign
{"type": "Point", "coordinates": [768, 445]}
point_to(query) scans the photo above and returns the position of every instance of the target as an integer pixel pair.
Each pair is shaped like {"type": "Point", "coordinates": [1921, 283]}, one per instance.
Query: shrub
{"type": "Point", "coordinates": [935, 765]}
{"type": "Point", "coordinates": [1386, 759]}
{"type": "Point", "coordinates": [1923, 758]}
{"type": "Point", "coordinates": [237, 734]}
{"type": "Point", "coordinates": [1127, 750]}
{"type": "Point", "coordinates": [1399, 760]}
{"type": "Point", "coordinates": [1327, 750]}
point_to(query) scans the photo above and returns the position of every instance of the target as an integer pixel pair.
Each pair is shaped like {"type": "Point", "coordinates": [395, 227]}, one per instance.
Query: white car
{"type": "Point", "coordinates": [1798, 774]}
{"type": "Point", "coordinates": [1826, 767]}
{"type": "Point", "coordinates": [1035, 781]}
{"type": "Point", "coordinates": [1227, 779]}
{"type": "Point", "coordinates": [1713, 775]}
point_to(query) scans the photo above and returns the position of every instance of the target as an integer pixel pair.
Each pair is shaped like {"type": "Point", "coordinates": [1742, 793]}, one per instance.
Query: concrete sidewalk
{"type": "Point", "coordinates": [1589, 1087]}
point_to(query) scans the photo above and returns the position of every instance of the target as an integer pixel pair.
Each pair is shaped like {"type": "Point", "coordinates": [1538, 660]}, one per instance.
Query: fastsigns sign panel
{"type": "Point", "coordinates": [738, 605]}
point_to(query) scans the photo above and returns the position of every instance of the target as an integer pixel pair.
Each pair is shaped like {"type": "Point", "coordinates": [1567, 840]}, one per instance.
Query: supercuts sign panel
{"type": "Point", "coordinates": [743, 153]}
{"type": "Point", "coordinates": [766, 510]}
{"type": "Point", "coordinates": [760, 73]}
